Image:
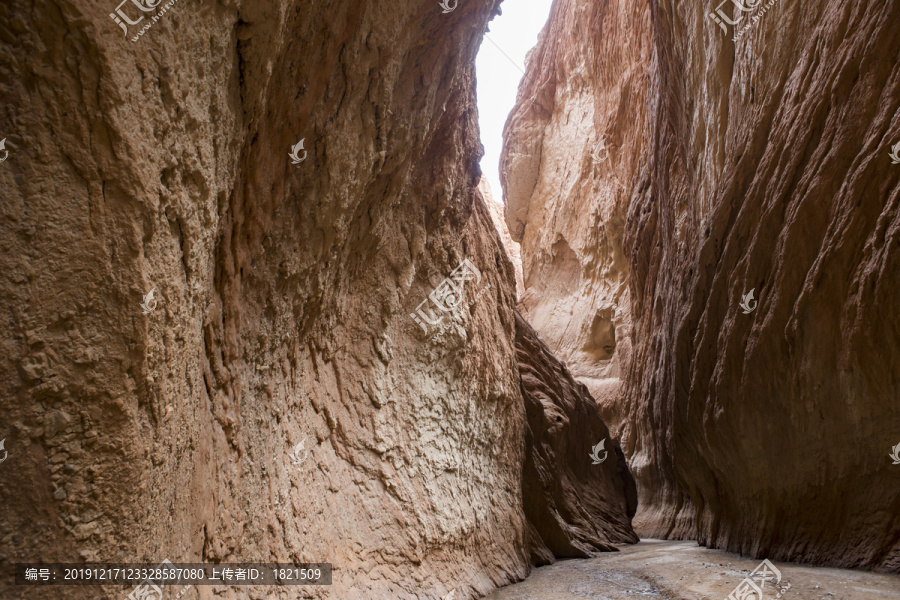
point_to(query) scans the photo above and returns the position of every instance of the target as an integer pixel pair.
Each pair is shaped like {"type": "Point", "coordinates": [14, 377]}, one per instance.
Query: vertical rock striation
{"type": "Point", "coordinates": [499, 221]}
{"type": "Point", "coordinates": [275, 401]}
{"type": "Point", "coordinates": [574, 506]}
{"type": "Point", "coordinates": [573, 146]}
{"type": "Point", "coordinates": [757, 163]}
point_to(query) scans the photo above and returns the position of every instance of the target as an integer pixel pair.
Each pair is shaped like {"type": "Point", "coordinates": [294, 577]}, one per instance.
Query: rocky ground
{"type": "Point", "coordinates": [679, 570]}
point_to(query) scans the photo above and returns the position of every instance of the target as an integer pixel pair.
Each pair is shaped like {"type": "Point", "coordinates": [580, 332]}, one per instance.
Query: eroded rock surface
{"type": "Point", "coordinates": [573, 146]}
{"type": "Point", "coordinates": [498, 218]}
{"type": "Point", "coordinates": [760, 164]}
{"type": "Point", "coordinates": [574, 506]}
{"type": "Point", "coordinates": [274, 400]}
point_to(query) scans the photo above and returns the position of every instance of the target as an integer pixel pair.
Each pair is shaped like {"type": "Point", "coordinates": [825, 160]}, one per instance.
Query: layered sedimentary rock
{"type": "Point", "coordinates": [208, 353]}
{"type": "Point", "coordinates": [575, 504]}
{"type": "Point", "coordinates": [732, 162]}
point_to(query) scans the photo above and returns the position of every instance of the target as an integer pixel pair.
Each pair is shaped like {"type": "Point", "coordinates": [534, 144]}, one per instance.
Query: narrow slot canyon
{"type": "Point", "coordinates": [288, 315]}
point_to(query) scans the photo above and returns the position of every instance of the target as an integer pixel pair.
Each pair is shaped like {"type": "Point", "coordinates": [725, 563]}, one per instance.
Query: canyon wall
{"type": "Point", "coordinates": [212, 351]}
{"type": "Point", "coordinates": [573, 145]}
{"type": "Point", "coordinates": [499, 220]}
{"type": "Point", "coordinates": [576, 501]}
{"type": "Point", "coordinates": [658, 168]}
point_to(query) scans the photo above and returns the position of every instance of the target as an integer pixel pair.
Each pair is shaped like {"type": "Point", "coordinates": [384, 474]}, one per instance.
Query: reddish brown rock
{"type": "Point", "coordinates": [497, 217]}
{"type": "Point", "coordinates": [572, 149]}
{"type": "Point", "coordinates": [574, 507]}
{"type": "Point", "coordinates": [759, 164]}
{"type": "Point", "coordinates": [281, 304]}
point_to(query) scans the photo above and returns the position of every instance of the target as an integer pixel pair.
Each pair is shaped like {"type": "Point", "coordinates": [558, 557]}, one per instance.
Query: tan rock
{"type": "Point", "coordinates": [572, 149]}
{"type": "Point", "coordinates": [761, 165]}
{"type": "Point", "coordinates": [497, 217]}
{"type": "Point", "coordinates": [154, 221]}
{"type": "Point", "coordinates": [575, 505]}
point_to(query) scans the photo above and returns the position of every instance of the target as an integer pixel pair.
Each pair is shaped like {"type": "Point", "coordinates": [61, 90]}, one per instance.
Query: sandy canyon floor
{"type": "Point", "coordinates": [677, 570]}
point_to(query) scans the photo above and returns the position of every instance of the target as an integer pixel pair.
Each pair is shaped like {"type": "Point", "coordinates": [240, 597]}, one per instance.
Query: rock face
{"type": "Point", "coordinates": [573, 148]}
{"type": "Point", "coordinates": [208, 351]}
{"type": "Point", "coordinates": [499, 219]}
{"type": "Point", "coordinates": [574, 506]}
{"type": "Point", "coordinates": [728, 166]}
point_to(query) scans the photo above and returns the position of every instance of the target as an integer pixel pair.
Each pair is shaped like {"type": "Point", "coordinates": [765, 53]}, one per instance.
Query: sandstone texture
{"type": "Point", "coordinates": [572, 149]}
{"type": "Point", "coordinates": [273, 400]}
{"type": "Point", "coordinates": [574, 507]}
{"type": "Point", "coordinates": [499, 219]}
{"type": "Point", "coordinates": [727, 166]}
